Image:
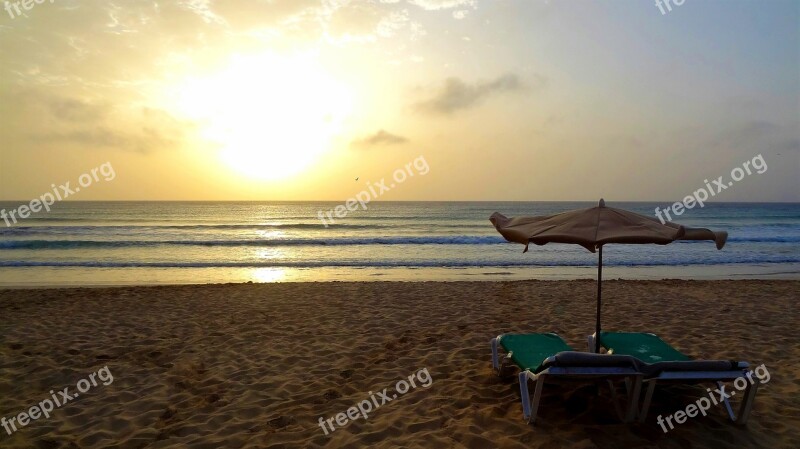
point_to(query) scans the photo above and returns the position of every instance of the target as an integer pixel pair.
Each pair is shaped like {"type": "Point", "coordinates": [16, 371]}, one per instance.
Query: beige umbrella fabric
{"type": "Point", "coordinates": [597, 226]}
{"type": "Point", "coordinates": [594, 227]}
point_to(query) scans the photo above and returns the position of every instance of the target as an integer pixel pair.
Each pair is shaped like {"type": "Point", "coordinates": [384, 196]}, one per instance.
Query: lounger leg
{"type": "Point", "coordinates": [633, 401]}
{"type": "Point", "coordinates": [590, 342]}
{"type": "Point", "coordinates": [620, 414]}
{"type": "Point", "coordinates": [747, 402]}
{"type": "Point", "coordinates": [725, 401]}
{"type": "Point", "coordinates": [537, 394]}
{"type": "Point", "coordinates": [651, 387]}
{"type": "Point", "coordinates": [495, 361]}
{"type": "Point", "coordinates": [524, 395]}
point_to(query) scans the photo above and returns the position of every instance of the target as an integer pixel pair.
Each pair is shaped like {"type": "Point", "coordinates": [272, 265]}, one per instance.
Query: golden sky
{"type": "Point", "coordinates": [295, 99]}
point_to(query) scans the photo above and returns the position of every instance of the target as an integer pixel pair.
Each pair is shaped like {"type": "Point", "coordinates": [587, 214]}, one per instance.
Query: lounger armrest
{"type": "Point", "coordinates": [655, 369]}
{"type": "Point", "coordinates": [684, 376]}
{"type": "Point", "coordinates": [591, 371]}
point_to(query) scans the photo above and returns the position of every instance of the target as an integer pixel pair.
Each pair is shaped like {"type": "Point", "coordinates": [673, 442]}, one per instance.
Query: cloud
{"type": "Point", "coordinates": [749, 135]}
{"type": "Point", "coordinates": [455, 94]}
{"type": "Point", "coordinates": [382, 137]}
{"type": "Point", "coordinates": [436, 5]}
{"type": "Point", "coordinates": [116, 60]}
{"type": "Point", "coordinates": [366, 22]}
{"type": "Point", "coordinates": [81, 122]}
{"type": "Point", "coordinates": [145, 140]}
{"type": "Point", "coordinates": [788, 146]}
{"type": "Point", "coordinates": [75, 110]}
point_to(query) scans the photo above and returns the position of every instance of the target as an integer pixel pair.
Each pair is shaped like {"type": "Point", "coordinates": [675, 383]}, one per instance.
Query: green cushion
{"type": "Point", "coordinates": [645, 347]}
{"type": "Point", "coordinates": [528, 351]}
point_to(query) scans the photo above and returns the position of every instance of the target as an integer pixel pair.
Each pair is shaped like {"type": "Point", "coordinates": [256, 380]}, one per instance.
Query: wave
{"type": "Point", "coordinates": [168, 219]}
{"type": "Point", "coordinates": [758, 239]}
{"type": "Point", "coordinates": [791, 239]}
{"type": "Point", "coordinates": [73, 244]}
{"type": "Point", "coordinates": [341, 241]}
{"type": "Point", "coordinates": [383, 264]}
{"type": "Point", "coordinates": [79, 229]}
{"type": "Point", "coordinates": [66, 230]}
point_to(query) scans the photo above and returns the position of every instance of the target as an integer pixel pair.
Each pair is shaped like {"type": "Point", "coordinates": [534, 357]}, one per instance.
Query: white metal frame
{"type": "Point", "coordinates": [530, 405]}
{"type": "Point", "coordinates": [715, 377]}
{"type": "Point", "coordinates": [690, 377]}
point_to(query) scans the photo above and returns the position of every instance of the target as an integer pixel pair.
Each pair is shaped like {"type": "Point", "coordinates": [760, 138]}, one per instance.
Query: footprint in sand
{"type": "Point", "coordinates": [281, 421]}
{"type": "Point", "coordinates": [331, 395]}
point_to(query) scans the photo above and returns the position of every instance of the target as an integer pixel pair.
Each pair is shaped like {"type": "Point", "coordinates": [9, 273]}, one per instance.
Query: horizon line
{"type": "Point", "coordinates": [400, 201]}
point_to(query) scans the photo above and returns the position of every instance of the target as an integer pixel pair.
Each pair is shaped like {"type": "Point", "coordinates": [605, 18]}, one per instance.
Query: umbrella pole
{"type": "Point", "coordinates": [599, 297]}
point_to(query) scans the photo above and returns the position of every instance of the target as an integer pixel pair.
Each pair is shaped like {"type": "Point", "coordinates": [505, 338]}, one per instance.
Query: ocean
{"type": "Point", "coordinates": [124, 243]}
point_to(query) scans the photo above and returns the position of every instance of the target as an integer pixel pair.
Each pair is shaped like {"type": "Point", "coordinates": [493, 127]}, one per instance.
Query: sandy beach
{"type": "Point", "coordinates": [256, 366]}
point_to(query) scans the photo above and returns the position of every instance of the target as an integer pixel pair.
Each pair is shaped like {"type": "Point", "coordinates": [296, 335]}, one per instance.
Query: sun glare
{"type": "Point", "coordinates": [271, 115]}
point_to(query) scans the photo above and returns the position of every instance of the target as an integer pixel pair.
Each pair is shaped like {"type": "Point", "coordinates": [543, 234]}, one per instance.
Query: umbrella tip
{"type": "Point", "coordinates": [602, 203]}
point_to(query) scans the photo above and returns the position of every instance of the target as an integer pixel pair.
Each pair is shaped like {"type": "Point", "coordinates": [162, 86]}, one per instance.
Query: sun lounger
{"type": "Point", "coordinates": [546, 357]}
{"type": "Point", "coordinates": [665, 364]}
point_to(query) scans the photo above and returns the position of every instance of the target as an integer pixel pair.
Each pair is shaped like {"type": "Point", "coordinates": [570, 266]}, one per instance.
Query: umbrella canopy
{"type": "Point", "coordinates": [594, 227]}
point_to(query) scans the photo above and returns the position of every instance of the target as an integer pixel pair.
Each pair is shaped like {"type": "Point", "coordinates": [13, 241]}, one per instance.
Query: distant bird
{"type": "Point", "coordinates": [357, 178]}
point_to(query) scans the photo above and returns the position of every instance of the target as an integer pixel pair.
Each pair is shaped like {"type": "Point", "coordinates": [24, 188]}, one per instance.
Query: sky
{"type": "Point", "coordinates": [528, 100]}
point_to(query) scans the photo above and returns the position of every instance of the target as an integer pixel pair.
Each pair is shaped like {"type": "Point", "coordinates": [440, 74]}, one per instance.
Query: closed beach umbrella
{"type": "Point", "coordinates": [594, 227]}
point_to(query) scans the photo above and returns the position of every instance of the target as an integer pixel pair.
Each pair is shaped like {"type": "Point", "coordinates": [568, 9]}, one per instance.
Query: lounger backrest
{"type": "Point", "coordinates": [589, 359]}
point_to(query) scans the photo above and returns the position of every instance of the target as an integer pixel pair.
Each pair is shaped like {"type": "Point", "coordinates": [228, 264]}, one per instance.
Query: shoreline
{"type": "Point", "coordinates": [7, 288]}
{"type": "Point", "coordinates": [122, 277]}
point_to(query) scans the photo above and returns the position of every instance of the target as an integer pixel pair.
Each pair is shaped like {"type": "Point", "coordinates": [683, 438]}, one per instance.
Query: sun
{"type": "Point", "coordinates": [270, 115]}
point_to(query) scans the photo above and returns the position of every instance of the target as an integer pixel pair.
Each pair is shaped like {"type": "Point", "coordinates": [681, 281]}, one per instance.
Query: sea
{"type": "Point", "coordinates": [132, 243]}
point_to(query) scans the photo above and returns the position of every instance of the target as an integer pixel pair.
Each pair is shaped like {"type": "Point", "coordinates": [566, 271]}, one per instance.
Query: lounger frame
{"type": "Point", "coordinates": [692, 377]}
{"type": "Point", "coordinates": [714, 377]}
{"type": "Point", "coordinates": [530, 405]}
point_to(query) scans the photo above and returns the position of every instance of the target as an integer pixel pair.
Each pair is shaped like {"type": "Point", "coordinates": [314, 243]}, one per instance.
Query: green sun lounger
{"type": "Point", "coordinates": [545, 357]}
{"type": "Point", "coordinates": [665, 364]}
